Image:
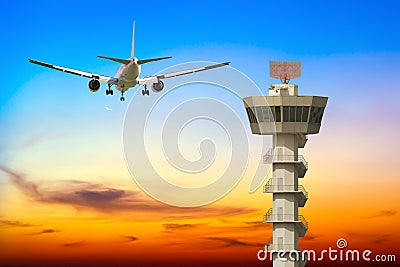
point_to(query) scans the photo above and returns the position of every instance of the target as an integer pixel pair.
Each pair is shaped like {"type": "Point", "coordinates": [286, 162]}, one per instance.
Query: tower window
{"type": "Point", "coordinates": [298, 113]}
{"type": "Point", "coordinates": [277, 114]}
{"type": "Point", "coordinates": [285, 114]}
{"type": "Point", "coordinates": [320, 112]}
{"type": "Point", "coordinates": [314, 114]}
{"type": "Point", "coordinates": [292, 114]}
{"type": "Point", "coordinates": [304, 116]}
{"type": "Point", "coordinates": [268, 117]}
{"type": "Point", "coordinates": [251, 116]}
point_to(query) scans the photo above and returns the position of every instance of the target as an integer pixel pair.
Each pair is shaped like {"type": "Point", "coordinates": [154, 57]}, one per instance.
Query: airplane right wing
{"type": "Point", "coordinates": [101, 78]}
{"type": "Point", "coordinates": [156, 78]}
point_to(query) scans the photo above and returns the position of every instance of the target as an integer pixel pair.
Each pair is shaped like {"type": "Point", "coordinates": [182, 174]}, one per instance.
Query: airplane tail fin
{"type": "Point", "coordinates": [127, 61]}
{"type": "Point", "coordinates": [133, 40]}
{"type": "Point", "coordinates": [143, 61]}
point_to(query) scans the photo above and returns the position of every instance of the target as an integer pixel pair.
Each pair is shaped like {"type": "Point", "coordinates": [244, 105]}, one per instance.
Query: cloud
{"type": "Point", "coordinates": [209, 211]}
{"type": "Point", "coordinates": [255, 224]}
{"type": "Point", "coordinates": [232, 242]}
{"type": "Point", "coordinates": [352, 233]}
{"type": "Point", "coordinates": [16, 223]}
{"type": "Point", "coordinates": [199, 230]}
{"type": "Point", "coordinates": [45, 231]}
{"type": "Point", "coordinates": [75, 244]}
{"type": "Point", "coordinates": [82, 194]}
{"type": "Point", "coordinates": [381, 238]}
{"type": "Point", "coordinates": [129, 238]}
{"type": "Point", "coordinates": [376, 239]}
{"type": "Point", "coordinates": [36, 139]}
{"type": "Point", "coordinates": [18, 180]}
{"type": "Point", "coordinates": [170, 227]}
{"type": "Point", "coordinates": [381, 213]}
{"type": "Point", "coordinates": [310, 237]}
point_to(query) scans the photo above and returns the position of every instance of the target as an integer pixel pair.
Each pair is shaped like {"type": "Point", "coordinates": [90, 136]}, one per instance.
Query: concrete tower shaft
{"type": "Point", "coordinates": [289, 118]}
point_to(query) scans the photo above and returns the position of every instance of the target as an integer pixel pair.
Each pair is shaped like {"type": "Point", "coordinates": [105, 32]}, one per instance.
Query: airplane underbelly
{"type": "Point", "coordinates": [128, 77]}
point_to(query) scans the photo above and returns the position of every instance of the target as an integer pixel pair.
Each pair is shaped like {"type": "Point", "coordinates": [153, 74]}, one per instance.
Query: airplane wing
{"type": "Point", "coordinates": [101, 78]}
{"type": "Point", "coordinates": [156, 78]}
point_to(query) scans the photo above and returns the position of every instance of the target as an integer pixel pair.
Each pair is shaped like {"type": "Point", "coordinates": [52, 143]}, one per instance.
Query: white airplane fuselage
{"type": "Point", "coordinates": [127, 75]}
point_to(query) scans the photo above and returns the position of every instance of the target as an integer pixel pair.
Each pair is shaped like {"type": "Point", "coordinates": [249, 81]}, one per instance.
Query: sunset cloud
{"type": "Point", "coordinates": [95, 196]}
{"type": "Point", "coordinates": [129, 238]}
{"type": "Point", "coordinates": [170, 227]}
{"type": "Point", "coordinates": [45, 231]}
{"type": "Point", "coordinates": [75, 244]}
{"type": "Point", "coordinates": [382, 213]}
{"type": "Point", "coordinates": [381, 238]}
{"type": "Point", "coordinates": [16, 223]}
{"type": "Point", "coordinates": [232, 242]}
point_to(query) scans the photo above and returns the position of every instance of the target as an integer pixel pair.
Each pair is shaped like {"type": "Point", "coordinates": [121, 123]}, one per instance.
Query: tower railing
{"type": "Point", "coordinates": [270, 158]}
{"type": "Point", "coordinates": [303, 221]}
{"type": "Point", "coordinates": [272, 217]}
{"type": "Point", "coordinates": [270, 188]}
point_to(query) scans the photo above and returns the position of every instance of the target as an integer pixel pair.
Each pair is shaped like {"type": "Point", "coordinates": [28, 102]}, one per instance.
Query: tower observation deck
{"type": "Point", "coordinates": [289, 118]}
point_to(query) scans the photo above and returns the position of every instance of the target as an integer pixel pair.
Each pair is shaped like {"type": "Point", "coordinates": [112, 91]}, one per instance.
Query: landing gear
{"type": "Point", "coordinates": [145, 91]}
{"type": "Point", "coordinates": [109, 91]}
{"type": "Point", "coordinates": [122, 96]}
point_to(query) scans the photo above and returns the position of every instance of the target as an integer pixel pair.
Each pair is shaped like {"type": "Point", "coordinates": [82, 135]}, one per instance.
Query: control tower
{"type": "Point", "coordinates": [289, 118]}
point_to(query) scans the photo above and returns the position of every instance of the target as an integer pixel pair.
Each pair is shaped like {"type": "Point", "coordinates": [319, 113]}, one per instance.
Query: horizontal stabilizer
{"type": "Point", "coordinates": [143, 61]}
{"type": "Point", "coordinates": [119, 60]}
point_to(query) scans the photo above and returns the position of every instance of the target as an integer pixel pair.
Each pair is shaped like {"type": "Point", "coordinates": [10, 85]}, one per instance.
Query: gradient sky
{"type": "Point", "coordinates": [67, 196]}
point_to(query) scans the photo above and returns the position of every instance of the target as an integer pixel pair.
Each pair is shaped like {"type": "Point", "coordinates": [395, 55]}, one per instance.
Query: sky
{"type": "Point", "coordinates": [67, 194]}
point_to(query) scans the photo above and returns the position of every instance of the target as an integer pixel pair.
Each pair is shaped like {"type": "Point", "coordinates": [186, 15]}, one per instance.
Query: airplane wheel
{"type": "Point", "coordinates": [143, 92]}
{"type": "Point", "coordinates": [148, 92]}
{"type": "Point", "coordinates": [122, 98]}
{"type": "Point", "coordinates": [106, 91]}
{"type": "Point", "coordinates": [111, 92]}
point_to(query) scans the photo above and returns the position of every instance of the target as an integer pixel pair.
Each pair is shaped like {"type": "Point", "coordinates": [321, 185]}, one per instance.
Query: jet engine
{"type": "Point", "coordinates": [94, 85]}
{"type": "Point", "coordinates": [157, 87]}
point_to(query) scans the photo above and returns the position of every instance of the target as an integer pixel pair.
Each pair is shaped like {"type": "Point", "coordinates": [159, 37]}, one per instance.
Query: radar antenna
{"type": "Point", "coordinates": [284, 71]}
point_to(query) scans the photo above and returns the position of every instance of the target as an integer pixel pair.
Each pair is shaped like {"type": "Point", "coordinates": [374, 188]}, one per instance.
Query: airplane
{"type": "Point", "coordinates": [128, 74]}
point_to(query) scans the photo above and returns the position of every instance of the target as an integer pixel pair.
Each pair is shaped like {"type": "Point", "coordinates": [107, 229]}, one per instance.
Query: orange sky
{"type": "Point", "coordinates": [105, 218]}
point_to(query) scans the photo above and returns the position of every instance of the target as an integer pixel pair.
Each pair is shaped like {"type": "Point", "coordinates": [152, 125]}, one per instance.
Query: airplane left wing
{"type": "Point", "coordinates": [156, 78]}
{"type": "Point", "coordinates": [101, 78]}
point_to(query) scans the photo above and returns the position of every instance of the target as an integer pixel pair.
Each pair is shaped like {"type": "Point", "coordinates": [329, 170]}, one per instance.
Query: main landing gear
{"type": "Point", "coordinates": [145, 91]}
{"type": "Point", "coordinates": [109, 91]}
{"type": "Point", "coordinates": [122, 96]}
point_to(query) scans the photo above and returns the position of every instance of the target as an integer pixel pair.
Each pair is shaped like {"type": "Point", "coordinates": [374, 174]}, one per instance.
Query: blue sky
{"type": "Point", "coordinates": [74, 32]}
{"type": "Point", "coordinates": [348, 48]}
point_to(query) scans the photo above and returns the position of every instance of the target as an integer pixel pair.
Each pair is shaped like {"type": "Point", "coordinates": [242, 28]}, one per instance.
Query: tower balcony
{"type": "Point", "coordinates": [298, 160]}
{"type": "Point", "coordinates": [300, 191]}
{"type": "Point", "coordinates": [300, 221]}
